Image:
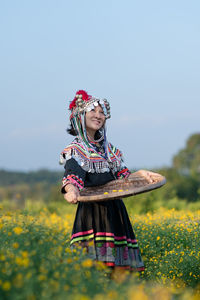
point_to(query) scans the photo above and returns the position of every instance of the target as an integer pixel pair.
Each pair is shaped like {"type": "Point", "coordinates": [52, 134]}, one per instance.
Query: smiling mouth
{"type": "Point", "coordinates": [96, 121]}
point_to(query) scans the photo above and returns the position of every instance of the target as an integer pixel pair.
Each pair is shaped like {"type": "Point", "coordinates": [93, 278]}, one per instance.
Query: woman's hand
{"type": "Point", "coordinates": [148, 175]}
{"type": "Point", "coordinates": [72, 193]}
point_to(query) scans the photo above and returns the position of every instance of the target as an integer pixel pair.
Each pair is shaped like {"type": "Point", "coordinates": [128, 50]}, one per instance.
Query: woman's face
{"type": "Point", "coordinates": [95, 119]}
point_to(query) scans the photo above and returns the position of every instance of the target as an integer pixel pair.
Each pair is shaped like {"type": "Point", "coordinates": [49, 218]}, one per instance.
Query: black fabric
{"type": "Point", "coordinates": [72, 167]}
{"type": "Point", "coordinates": [89, 179]}
{"type": "Point", "coordinates": [103, 216]}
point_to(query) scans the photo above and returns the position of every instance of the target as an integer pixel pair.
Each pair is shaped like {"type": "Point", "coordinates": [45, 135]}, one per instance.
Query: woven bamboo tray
{"type": "Point", "coordinates": [133, 185]}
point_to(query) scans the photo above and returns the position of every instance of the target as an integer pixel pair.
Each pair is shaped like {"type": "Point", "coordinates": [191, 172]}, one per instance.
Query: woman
{"type": "Point", "coordinates": [103, 228]}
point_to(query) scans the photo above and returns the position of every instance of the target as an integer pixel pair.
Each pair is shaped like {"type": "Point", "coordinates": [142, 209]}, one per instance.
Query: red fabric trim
{"type": "Point", "coordinates": [110, 264]}
{"type": "Point", "coordinates": [124, 173]}
{"type": "Point", "coordinates": [76, 178]}
{"type": "Point", "coordinates": [72, 179]}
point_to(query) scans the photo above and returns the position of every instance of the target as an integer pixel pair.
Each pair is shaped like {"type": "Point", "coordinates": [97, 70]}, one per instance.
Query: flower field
{"type": "Point", "coordinates": [36, 262]}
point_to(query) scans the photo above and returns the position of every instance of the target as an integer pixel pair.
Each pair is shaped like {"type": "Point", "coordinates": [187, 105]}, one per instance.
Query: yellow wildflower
{"type": "Point", "coordinates": [17, 230]}
{"type": "Point", "coordinates": [2, 257]}
{"type": "Point", "coordinates": [15, 245]}
{"type": "Point", "coordinates": [87, 263]}
{"type": "Point", "coordinates": [6, 286]}
{"type": "Point", "coordinates": [84, 297]}
{"type": "Point", "coordinates": [42, 277]}
{"type": "Point", "coordinates": [25, 254]}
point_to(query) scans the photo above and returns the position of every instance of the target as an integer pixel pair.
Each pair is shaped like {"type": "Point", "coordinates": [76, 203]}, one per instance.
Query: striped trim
{"type": "Point", "coordinates": [115, 237]}
{"type": "Point", "coordinates": [88, 237]}
{"type": "Point", "coordinates": [124, 173]}
{"type": "Point", "coordinates": [82, 233]}
{"type": "Point", "coordinates": [104, 237]}
{"type": "Point", "coordinates": [75, 180]}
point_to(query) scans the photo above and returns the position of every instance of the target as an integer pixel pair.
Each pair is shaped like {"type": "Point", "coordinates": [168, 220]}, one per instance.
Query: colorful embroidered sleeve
{"type": "Point", "coordinates": [74, 174]}
{"type": "Point", "coordinates": [123, 173]}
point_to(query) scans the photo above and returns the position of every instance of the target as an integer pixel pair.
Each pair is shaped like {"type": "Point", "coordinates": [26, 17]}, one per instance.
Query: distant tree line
{"type": "Point", "coordinates": [183, 183]}
{"type": "Point", "coordinates": [8, 178]}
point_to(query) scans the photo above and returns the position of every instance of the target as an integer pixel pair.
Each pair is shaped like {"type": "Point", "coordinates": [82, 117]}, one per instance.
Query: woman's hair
{"type": "Point", "coordinates": [71, 130]}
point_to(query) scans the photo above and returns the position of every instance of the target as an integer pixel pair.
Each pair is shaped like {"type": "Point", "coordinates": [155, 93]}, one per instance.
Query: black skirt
{"type": "Point", "coordinates": [104, 229]}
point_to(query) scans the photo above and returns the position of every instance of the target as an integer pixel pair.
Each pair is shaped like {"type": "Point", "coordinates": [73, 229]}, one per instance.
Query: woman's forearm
{"type": "Point", "coordinates": [70, 187]}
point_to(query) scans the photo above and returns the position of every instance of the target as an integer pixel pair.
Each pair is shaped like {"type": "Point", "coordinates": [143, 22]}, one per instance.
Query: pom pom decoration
{"type": "Point", "coordinates": [79, 94]}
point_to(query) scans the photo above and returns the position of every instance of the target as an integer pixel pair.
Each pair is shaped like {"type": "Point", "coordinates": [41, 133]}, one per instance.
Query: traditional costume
{"type": "Point", "coordinates": [103, 228]}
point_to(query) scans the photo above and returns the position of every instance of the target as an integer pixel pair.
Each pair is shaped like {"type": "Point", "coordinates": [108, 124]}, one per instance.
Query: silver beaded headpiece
{"type": "Point", "coordinates": [82, 105]}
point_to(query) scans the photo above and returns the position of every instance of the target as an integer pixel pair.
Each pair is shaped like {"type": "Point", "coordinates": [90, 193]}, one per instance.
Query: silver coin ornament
{"type": "Point", "coordinates": [82, 105]}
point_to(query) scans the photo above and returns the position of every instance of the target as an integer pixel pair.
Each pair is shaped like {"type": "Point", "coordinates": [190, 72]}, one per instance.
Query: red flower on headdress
{"type": "Point", "coordinates": [85, 97]}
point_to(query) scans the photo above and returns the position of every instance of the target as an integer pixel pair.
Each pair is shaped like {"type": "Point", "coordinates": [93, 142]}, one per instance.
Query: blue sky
{"type": "Point", "coordinates": [142, 56]}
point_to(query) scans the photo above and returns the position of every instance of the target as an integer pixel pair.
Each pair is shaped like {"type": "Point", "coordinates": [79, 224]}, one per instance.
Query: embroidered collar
{"type": "Point", "coordinates": [90, 159]}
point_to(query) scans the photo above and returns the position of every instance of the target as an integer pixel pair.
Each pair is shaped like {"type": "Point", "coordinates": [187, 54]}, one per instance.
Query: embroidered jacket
{"type": "Point", "coordinates": [90, 167]}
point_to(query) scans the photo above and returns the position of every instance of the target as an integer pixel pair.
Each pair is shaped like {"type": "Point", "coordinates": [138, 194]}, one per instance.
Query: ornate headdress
{"type": "Point", "coordinates": [83, 102]}
{"type": "Point", "coordinates": [91, 160]}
